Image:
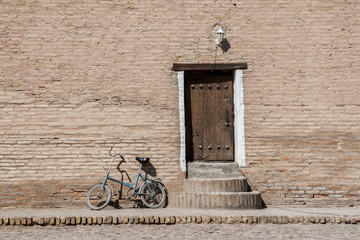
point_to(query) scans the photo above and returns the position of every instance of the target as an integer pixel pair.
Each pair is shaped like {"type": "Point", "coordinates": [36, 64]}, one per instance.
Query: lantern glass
{"type": "Point", "coordinates": [219, 36]}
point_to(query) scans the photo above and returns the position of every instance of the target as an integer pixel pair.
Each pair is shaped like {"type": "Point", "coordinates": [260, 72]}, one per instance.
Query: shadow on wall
{"type": "Point", "coordinates": [225, 45]}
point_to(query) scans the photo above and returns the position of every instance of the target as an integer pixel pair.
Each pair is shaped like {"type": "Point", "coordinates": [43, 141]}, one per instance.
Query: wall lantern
{"type": "Point", "coordinates": [219, 36]}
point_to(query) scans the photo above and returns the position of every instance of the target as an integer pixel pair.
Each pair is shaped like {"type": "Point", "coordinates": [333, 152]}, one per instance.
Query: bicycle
{"type": "Point", "coordinates": [152, 192]}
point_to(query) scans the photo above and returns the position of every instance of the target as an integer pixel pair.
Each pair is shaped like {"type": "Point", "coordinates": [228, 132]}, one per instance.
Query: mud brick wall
{"type": "Point", "coordinates": [77, 77]}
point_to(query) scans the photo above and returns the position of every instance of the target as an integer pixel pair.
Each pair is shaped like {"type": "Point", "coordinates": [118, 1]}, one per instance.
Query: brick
{"type": "Point", "coordinates": [107, 220]}
{"type": "Point", "coordinates": [18, 221]}
{"type": "Point", "coordinates": [167, 220]}
{"type": "Point", "coordinates": [12, 221]}
{"type": "Point", "coordinates": [115, 220]}
{"type": "Point", "coordinates": [52, 221]}
{"type": "Point", "coordinates": [125, 219]}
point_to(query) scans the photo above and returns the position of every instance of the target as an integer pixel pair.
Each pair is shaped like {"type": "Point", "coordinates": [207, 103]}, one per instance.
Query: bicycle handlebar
{"type": "Point", "coordinates": [116, 154]}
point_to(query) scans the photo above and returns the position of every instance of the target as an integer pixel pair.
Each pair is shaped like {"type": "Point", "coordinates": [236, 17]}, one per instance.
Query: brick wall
{"type": "Point", "coordinates": [77, 77]}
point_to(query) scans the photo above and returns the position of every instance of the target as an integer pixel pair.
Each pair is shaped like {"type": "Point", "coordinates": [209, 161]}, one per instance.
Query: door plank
{"type": "Point", "coordinates": [218, 118]}
{"type": "Point", "coordinates": [196, 105]}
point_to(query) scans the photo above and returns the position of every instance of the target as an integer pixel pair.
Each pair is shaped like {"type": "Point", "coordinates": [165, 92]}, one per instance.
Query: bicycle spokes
{"type": "Point", "coordinates": [153, 195]}
{"type": "Point", "coordinates": [98, 197]}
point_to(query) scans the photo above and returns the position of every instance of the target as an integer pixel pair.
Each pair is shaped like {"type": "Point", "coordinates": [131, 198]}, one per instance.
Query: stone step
{"type": "Point", "coordinates": [238, 184]}
{"type": "Point", "coordinates": [212, 170]}
{"type": "Point", "coordinates": [223, 200]}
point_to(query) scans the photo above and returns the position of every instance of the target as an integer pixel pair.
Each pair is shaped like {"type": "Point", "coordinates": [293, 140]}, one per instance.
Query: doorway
{"type": "Point", "coordinates": [209, 116]}
{"type": "Point", "coordinates": [192, 71]}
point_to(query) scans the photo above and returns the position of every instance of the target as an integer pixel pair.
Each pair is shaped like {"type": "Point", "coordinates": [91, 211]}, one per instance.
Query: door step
{"type": "Point", "coordinates": [225, 193]}
{"type": "Point", "coordinates": [238, 184]}
{"type": "Point", "coordinates": [224, 200]}
{"type": "Point", "coordinates": [212, 170]}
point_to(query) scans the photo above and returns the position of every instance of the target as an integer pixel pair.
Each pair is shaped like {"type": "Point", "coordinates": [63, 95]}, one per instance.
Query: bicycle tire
{"type": "Point", "coordinates": [153, 194]}
{"type": "Point", "coordinates": [97, 200]}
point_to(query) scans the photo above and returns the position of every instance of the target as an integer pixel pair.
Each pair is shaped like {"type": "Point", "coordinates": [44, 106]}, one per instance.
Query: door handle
{"type": "Point", "coordinates": [227, 123]}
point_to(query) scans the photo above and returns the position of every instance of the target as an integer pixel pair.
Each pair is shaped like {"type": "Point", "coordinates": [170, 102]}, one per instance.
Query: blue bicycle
{"type": "Point", "coordinates": [152, 192]}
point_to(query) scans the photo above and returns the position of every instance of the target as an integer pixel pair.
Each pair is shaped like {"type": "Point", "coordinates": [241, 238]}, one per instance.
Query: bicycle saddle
{"type": "Point", "coordinates": [142, 160]}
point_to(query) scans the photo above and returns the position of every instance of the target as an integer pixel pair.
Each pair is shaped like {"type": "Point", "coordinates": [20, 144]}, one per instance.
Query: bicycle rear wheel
{"type": "Point", "coordinates": [153, 195]}
{"type": "Point", "coordinates": [98, 197]}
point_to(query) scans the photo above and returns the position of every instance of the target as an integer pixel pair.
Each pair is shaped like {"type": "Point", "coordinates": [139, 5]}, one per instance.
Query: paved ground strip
{"type": "Point", "coordinates": [110, 211]}
{"type": "Point", "coordinates": [188, 231]}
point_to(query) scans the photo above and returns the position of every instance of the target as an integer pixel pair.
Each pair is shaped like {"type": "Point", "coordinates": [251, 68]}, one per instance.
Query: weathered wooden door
{"type": "Point", "coordinates": [209, 116]}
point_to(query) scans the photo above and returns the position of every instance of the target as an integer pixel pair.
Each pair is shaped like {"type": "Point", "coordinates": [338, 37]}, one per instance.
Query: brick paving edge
{"type": "Point", "coordinates": [170, 220]}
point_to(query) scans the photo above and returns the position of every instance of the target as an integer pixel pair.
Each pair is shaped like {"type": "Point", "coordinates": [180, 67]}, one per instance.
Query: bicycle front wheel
{"type": "Point", "coordinates": [98, 197]}
{"type": "Point", "coordinates": [153, 195]}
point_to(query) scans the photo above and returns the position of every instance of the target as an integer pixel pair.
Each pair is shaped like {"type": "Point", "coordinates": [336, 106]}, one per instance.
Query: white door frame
{"type": "Point", "coordinates": [239, 129]}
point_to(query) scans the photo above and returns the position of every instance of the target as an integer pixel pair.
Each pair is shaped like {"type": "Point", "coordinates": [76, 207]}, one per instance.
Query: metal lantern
{"type": "Point", "coordinates": [219, 36]}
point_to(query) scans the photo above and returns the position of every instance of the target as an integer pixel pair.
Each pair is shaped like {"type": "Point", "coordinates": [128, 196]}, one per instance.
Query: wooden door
{"type": "Point", "coordinates": [209, 116]}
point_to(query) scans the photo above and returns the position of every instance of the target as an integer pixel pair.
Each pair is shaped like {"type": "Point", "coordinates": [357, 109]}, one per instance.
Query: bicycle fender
{"type": "Point", "coordinates": [154, 181]}
{"type": "Point", "coordinates": [157, 181]}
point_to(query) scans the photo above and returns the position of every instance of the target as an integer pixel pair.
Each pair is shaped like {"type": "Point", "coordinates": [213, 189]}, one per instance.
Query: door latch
{"type": "Point", "coordinates": [227, 123]}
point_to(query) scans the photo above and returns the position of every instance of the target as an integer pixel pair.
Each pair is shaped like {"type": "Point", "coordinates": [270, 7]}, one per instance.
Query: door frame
{"type": "Point", "coordinates": [239, 129]}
